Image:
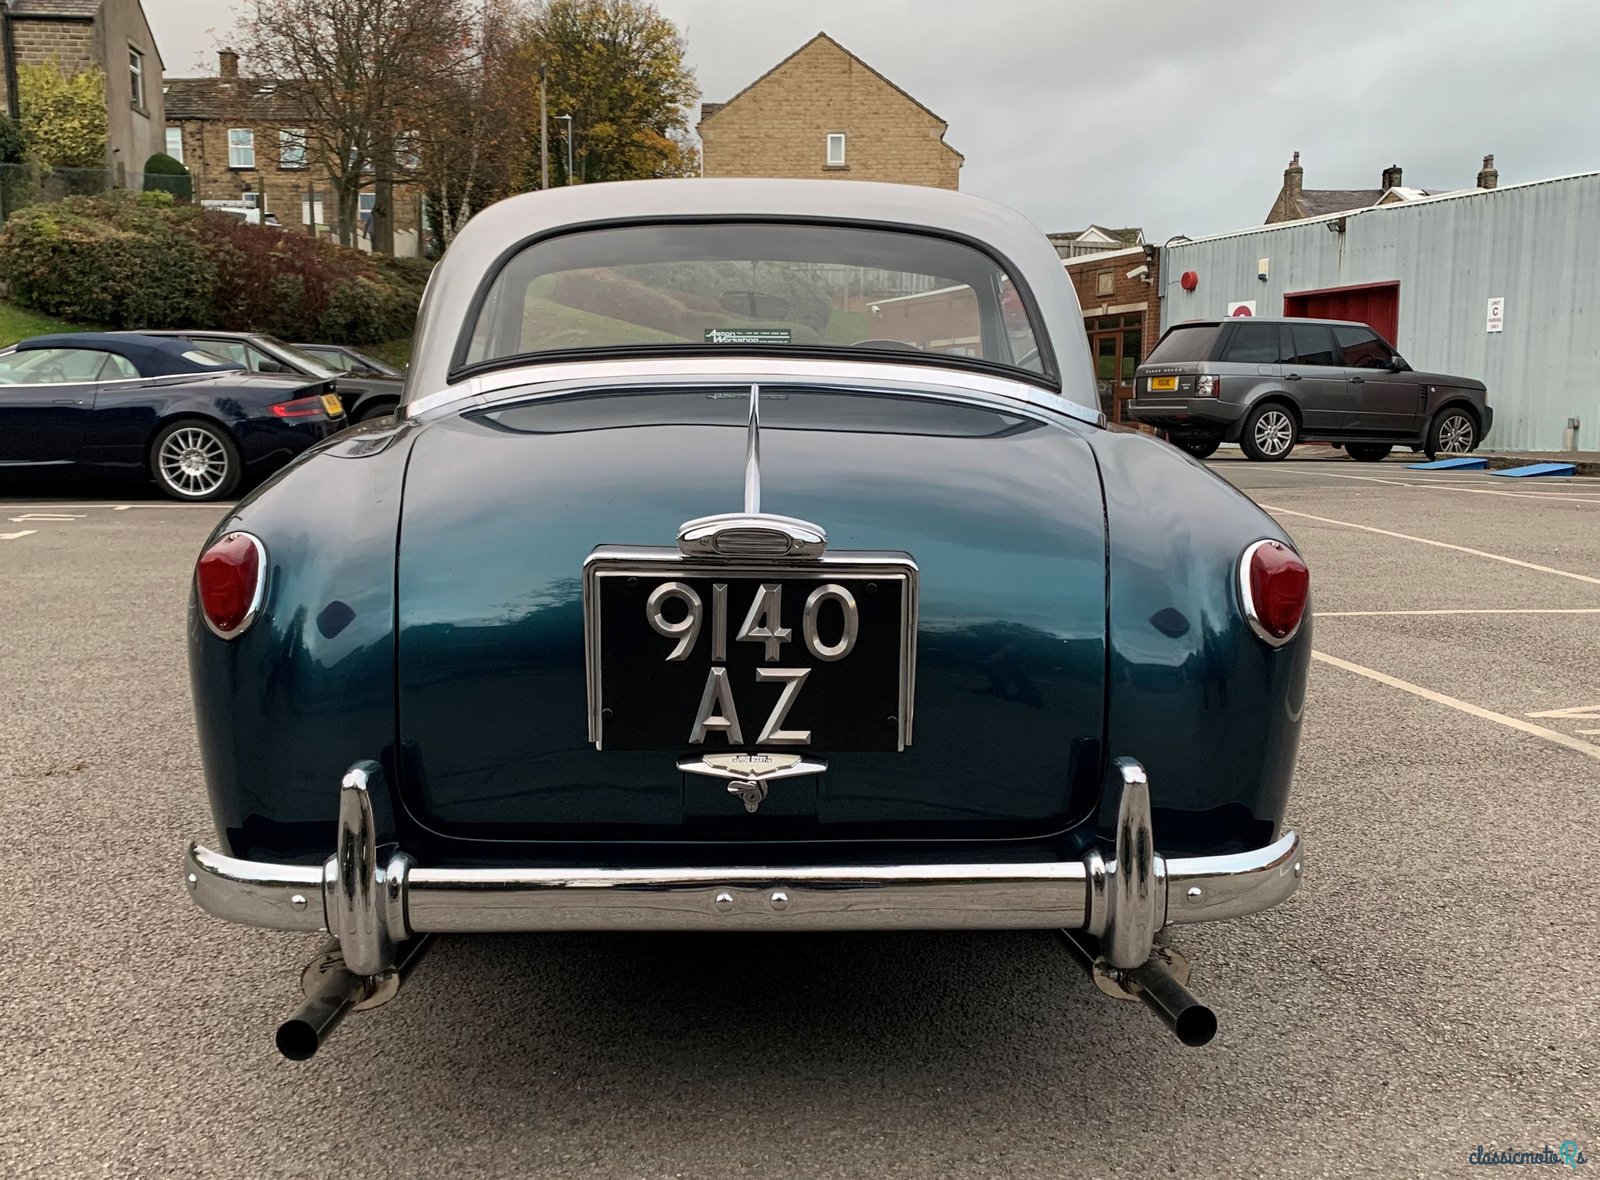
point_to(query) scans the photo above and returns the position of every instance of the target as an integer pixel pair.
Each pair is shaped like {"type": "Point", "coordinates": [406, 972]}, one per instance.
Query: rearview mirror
{"type": "Point", "coordinates": [1397, 364]}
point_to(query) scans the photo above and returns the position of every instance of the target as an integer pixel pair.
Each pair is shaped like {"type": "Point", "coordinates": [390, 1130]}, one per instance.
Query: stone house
{"type": "Point", "coordinates": [77, 35]}
{"type": "Point", "coordinates": [1295, 201]}
{"type": "Point", "coordinates": [824, 113]}
{"type": "Point", "coordinates": [245, 144]}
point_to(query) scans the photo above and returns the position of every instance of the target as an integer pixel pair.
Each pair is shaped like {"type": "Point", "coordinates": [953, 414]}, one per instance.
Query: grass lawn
{"type": "Point", "coordinates": [393, 352]}
{"type": "Point", "coordinates": [17, 323]}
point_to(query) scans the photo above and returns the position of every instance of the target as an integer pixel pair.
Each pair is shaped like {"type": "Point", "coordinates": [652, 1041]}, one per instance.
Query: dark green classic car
{"type": "Point", "coordinates": [747, 555]}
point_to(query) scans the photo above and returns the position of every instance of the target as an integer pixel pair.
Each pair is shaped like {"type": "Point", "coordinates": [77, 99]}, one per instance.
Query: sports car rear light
{"type": "Point", "coordinates": [300, 407]}
{"type": "Point", "coordinates": [1274, 587]}
{"type": "Point", "coordinates": [231, 580]}
{"type": "Point", "coordinates": [1208, 386]}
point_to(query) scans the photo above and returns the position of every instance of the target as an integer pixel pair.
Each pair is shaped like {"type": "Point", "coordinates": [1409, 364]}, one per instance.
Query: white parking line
{"type": "Point", "coordinates": [1439, 698]}
{"type": "Point", "coordinates": [1434, 485]}
{"type": "Point", "coordinates": [1499, 610]}
{"type": "Point", "coordinates": [1367, 528]}
{"type": "Point", "coordinates": [17, 536]}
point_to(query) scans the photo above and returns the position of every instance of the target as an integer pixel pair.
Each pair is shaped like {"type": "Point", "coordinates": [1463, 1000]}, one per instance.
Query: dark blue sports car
{"type": "Point", "coordinates": [131, 406]}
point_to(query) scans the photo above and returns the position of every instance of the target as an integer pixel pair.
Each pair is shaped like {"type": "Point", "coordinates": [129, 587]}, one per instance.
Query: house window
{"type": "Point", "coordinates": [136, 77]}
{"type": "Point", "coordinates": [311, 213]}
{"type": "Point", "coordinates": [241, 147]}
{"type": "Point", "coordinates": [836, 149]}
{"type": "Point", "coordinates": [175, 143]}
{"type": "Point", "coordinates": [1103, 282]}
{"type": "Point", "coordinates": [292, 147]}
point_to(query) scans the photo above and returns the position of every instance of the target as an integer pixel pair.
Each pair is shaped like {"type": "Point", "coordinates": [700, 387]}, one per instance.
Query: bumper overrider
{"type": "Point", "coordinates": [381, 913]}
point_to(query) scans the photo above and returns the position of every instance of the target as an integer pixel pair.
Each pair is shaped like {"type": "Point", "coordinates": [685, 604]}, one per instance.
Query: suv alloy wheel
{"type": "Point", "coordinates": [1269, 433]}
{"type": "Point", "coordinates": [1452, 432]}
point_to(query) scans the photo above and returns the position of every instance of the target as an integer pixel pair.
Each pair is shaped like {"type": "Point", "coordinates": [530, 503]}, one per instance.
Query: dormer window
{"type": "Point", "coordinates": [836, 149]}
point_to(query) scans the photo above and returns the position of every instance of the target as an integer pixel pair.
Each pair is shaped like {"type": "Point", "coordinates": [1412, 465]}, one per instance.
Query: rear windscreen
{"type": "Point", "coordinates": [1187, 342]}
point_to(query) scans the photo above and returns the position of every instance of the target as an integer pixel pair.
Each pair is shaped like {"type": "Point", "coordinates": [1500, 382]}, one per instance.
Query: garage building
{"type": "Point", "coordinates": [1501, 284]}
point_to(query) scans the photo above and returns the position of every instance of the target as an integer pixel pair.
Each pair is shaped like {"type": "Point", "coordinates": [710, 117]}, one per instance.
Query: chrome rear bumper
{"type": "Point", "coordinates": [373, 907]}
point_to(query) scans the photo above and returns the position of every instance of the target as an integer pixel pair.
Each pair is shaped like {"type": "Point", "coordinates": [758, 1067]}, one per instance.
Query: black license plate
{"type": "Point", "coordinates": [689, 656]}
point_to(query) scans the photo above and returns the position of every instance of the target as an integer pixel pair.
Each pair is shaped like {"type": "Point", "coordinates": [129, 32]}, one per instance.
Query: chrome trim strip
{"type": "Point", "coordinates": [660, 562]}
{"type": "Point", "coordinates": [1247, 602]}
{"type": "Point", "coordinates": [537, 380]}
{"type": "Point", "coordinates": [752, 456]}
{"type": "Point", "coordinates": [1035, 896]}
{"type": "Point", "coordinates": [262, 573]}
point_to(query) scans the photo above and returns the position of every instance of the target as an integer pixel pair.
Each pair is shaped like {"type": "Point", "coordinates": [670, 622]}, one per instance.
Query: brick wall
{"type": "Point", "coordinates": [1132, 305]}
{"type": "Point", "coordinates": [779, 127]}
{"type": "Point", "coordinates": [205, 154]}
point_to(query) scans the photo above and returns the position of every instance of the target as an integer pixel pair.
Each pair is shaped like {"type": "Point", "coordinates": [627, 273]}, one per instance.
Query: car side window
{"type": "Point", "coordinates": [51, 366]}
{"type": "Point", "coordinates": [1312, 345]}
{"type": "Point", "coordinates": [118, 368]}
{"type": "Point", "coordinates": [1254, 344]}
{"type": "Point", "coordinates": [337, 361]}
{"type": "Point", "coordinates": [1362, 349]}
{"type": "Point", "coordinates": [259, 362]}
{"type": "Point", "coordinates": [230, 350]}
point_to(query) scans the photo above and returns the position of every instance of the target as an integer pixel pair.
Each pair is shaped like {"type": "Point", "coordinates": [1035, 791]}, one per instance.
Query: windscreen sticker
{"type": "Point", "coordinates": [747, 335]}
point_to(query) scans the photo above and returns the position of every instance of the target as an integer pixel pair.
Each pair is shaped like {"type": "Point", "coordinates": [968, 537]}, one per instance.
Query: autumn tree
{"type": "Point", "coordinates": [617, 67]}
{"type": "Point", "coordinates": [366, 74]}
{"type": "Point", "coordinates": [472, 154]}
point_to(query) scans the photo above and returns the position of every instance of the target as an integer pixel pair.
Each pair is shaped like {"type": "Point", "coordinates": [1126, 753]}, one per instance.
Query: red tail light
{"type": "Point", "coordinates": [1207, 385]}
{"type": "Point", "coordinates": [231, 581]}
{"type": "Point", "coordinates": [301, 407]}
{"type": "Point", "coordinates": [1274, 587]}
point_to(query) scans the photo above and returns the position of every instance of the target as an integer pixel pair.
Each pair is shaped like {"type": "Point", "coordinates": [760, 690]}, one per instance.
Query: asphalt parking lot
{"type": "Point", "coordinates": [1433, 987]}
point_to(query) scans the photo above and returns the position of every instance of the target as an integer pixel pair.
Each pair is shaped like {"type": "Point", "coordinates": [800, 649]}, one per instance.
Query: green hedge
{"type": "Point", "coordinates": [131, 262]}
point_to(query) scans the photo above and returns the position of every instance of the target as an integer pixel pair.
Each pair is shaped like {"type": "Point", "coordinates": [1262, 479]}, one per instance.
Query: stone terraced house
{"type": "Point", "coordinates": [823, 112]}
{"type": "Point", "coordinates": [245, 143]}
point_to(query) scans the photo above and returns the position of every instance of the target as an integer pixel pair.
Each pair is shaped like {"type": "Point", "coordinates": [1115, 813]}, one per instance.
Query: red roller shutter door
{"type": "Point", "coordinates": [1377, 305]}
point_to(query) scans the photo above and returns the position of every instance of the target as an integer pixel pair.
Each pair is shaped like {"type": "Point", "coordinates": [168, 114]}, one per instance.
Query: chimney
{"type": "Point", "coordinates": [1488, 177]}
{"type": "Point", "coordinates": [227, 63]}
{"type": "Point", "coordinates": [1391, 177]}
{"type": "Point", "coordinates": [1293, 176]}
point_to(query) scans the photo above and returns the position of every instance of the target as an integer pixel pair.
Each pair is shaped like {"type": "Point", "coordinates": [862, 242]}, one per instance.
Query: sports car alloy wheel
{"type": "Point", "coordinates": [1455, 435]}
{"type": "Point", "coordinates": [195, 462]}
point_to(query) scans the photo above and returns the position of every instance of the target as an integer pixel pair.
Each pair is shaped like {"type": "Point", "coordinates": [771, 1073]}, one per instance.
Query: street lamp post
{"type": "Point", "coordinates": [567, 119]}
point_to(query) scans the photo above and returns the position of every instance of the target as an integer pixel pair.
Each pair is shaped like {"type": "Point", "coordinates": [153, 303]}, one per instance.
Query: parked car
{"type": "Point", "coordinates": [363, 397]}
{"type": "Point", "coordinates": [1267, 384]}
{"type": "Point", "coordinates": [646, 615]}
{"type": "Point", "coordinates": [343, 359]}
{"type": "Point", "coordinates": [130, 406]}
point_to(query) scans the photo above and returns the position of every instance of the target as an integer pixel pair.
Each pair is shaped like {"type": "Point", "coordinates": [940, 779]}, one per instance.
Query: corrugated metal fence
{"type": "Point", "coordinates": [1537, 246]}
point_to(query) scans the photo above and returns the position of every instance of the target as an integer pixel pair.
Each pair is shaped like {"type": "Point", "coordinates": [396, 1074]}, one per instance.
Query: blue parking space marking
{"type": "Point", "coordinates": [1460, 463]}
{"type": "Point", "coordinates": [1538, 469]}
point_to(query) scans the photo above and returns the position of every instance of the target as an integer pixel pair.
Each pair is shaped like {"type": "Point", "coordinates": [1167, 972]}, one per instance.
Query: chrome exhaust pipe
{"type": "Point", "coordinates": [1152, 982]}
{"type": "Point", "coordinates": [333, 991]}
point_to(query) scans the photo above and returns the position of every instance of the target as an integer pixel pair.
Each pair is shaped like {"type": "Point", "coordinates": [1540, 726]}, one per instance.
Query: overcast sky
{"type": "Point", "coordinates": [1175, 115]}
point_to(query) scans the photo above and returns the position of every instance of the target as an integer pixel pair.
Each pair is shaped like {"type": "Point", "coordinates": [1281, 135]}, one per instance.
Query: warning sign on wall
{"type": "Point", "coordinates": [1497, 314]}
